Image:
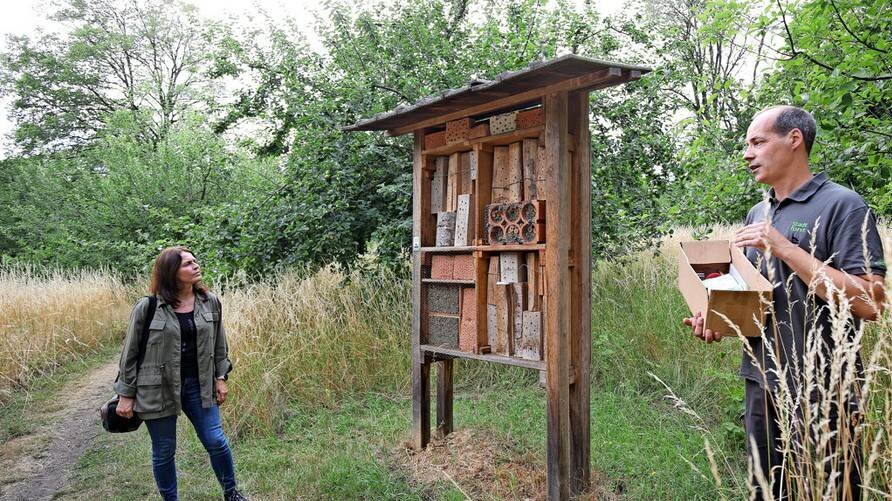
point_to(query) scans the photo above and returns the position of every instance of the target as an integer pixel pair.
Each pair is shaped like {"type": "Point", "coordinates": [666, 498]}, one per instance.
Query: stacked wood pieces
{"type": "Point", "coordinates": [463, 267]}
{"type": "Point", "coordinates": [515, 223]}
{"type": "Point", "coordinates": [452, 199]}
{"type": "Point", "coordinates": [457, 130]}
{"type": "Point", "coordinates": [514, 301]}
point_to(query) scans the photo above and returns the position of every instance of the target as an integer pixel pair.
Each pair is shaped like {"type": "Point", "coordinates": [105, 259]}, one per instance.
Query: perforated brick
{"type": "Point", "coordinates": [442, 266]}
{"type": "Point", "coordinates": [463, 267]}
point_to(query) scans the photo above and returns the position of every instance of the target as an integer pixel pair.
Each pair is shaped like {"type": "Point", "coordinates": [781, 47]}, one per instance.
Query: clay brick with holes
{"type": "Point", "coordinates": [457, 130]}
{"type": "Point", "coordinates": [527, 119]}
{"type": "Point", "coordinates": [434, 139]}
{"type": "Point", "coordinates": [442, 266]}
{"type": "Point", "coordinates": [463, 267]}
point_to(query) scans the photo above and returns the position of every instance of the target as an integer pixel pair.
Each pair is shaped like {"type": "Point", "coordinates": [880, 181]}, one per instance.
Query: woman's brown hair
{"type": "Point", "coordinates": [164, 275]}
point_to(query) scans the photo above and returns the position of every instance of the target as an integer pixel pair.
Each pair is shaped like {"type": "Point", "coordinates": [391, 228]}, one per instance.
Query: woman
{"type": "Point", "coordinates": [185, 366]}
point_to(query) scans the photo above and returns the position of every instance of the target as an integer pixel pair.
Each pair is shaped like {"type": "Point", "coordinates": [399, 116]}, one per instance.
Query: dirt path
{"type": "Point", "coordinates": [37, 466]}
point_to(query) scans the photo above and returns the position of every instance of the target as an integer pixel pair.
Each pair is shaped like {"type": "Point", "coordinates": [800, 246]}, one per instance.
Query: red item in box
{"type": "Point", "coordinates": [528, 119]}
{"type": "Point", "coordinates": [442, 266]}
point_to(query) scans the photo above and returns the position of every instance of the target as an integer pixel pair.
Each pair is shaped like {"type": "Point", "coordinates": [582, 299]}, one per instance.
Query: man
{"type": "Point", "coordinates": [808, 232]}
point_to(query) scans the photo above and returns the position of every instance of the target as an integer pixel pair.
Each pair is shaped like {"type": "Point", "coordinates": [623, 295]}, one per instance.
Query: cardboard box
{"type": "Point", "coordinates": [739, 306]}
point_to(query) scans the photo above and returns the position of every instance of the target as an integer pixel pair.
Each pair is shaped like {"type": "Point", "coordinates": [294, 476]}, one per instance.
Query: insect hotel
{"type": "Point", "coordinates": [501, 241]}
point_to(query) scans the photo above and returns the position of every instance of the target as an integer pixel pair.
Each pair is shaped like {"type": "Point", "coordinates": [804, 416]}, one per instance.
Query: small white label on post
{"type": "Point", "coordinates": [416, 243]}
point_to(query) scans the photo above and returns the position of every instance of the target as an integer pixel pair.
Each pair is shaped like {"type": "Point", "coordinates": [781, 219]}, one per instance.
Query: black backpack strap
{"type": "Point", "coordinates": [144, 335]}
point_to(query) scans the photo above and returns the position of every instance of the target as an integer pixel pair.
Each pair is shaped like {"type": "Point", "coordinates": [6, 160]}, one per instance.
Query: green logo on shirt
{"type": "Point", "coordinates": [798, 226]}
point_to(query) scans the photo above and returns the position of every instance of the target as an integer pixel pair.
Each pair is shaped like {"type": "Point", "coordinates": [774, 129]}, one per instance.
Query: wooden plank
{"type": "Point", "coordinates": [500, 174]}
{"type": "Point", "coordinates": [481, 162]}
{"type": "Point", "coordinates": [444, 398]}
{"type": "Point", "coordinates": [420, 366]}
{"type": "Point", "coordinates": [488, 357]}
{"type": "Point", "coordinates": [532, 271]}
{"type": "Point", "coordinates": [580, 398]}
{"type": "Point", "coordinates": [557, 356]}
{"type": "Point", "coordinates": [465, 180]}
{"type": "Point", "coordinates": [445, 229]}
{"type": "Point", "coordinates": [481, 269]}
{"type": "Point", "coordinates": [510, 248]}
{"type": "Point", "coordinates": [541, 185]}
{"type": "Point", "coordinates": [499, 337]}
{"type": "Point", "coordinates": [593, 80]}
{"type": "Point", "coordinates": [518, 306]}
{"type": "Point", "coordinates": [530, 173]}
{"type": "Point", "coordinates": [515, 172]}
{"type": "Point", "coordinates": [438, 185]}
{"type": "Point", "coordinates": [453, 182]}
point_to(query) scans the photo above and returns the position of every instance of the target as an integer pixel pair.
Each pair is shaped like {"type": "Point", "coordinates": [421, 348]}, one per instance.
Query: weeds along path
{"type": "Point", "coordinates": [37, 466]}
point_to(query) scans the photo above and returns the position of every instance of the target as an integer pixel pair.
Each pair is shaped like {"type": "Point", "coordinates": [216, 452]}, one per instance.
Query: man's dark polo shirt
{"type": "Point", "coordinates": [831, 217]}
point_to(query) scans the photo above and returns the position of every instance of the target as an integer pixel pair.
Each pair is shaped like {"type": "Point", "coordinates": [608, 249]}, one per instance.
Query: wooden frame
{"type": "Point", "coordinates": [565, 257]}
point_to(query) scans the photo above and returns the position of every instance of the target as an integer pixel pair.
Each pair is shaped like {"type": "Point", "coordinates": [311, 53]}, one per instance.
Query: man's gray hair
{"type": "Point", "coordinates": [792, 117]}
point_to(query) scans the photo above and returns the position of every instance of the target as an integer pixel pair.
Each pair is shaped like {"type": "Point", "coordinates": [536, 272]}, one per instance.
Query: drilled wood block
{"type": "Point", "coordinates": [527, 119]}
{"type": "Point", "coordinates": [500, 338]}
{"type": "Point", "coordinates": [518, 305]}
{"type": "Point", "coordinates": [443, 298]}
{"type": "Point", "coordinates": [445, 229]}
{"type": "Point", "coordinates": [457, 130]}
{"type": "Point", "coordinates": [434, 139]}
{"type": "Point", "coordinates": [442, 266]}
{"type": "Point", "coordinates": [443, 331]}
{"type": "Point", "coordinates": [438, 185]}
{"type": "Point", "coordinates": [464, 234]}
{"type": "Point", "coordinates": [500, 124]}
{"type": "Point", "coordinates": [529, 344]}
{"type": "Point", "coordinates": [509, 267]}
{"type": "Point", "coordinates": [463, 267]}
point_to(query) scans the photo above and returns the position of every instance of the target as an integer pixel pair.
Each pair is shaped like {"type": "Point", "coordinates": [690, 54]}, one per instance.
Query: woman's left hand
{"type": "Point", "coordinates": [221, 391]}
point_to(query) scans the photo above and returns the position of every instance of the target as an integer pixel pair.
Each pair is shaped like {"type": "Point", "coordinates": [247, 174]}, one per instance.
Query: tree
{"type": "Point", "coordinates": [136, 55]}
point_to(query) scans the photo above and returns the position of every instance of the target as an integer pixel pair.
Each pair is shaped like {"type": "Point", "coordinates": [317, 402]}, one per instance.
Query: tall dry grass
{"type": "Point", "coordinates": [50, 317]}
{"type": "Point", "coordinates": [821, 440]}
{"type": "Point", "coordinates": [307, 339]}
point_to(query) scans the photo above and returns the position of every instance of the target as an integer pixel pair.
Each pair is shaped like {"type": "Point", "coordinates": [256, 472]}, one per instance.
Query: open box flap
{"type": "Point", "coordinates": [707, 251]}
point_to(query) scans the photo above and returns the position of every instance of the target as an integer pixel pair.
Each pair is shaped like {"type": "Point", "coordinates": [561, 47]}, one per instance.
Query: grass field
{"type": "Point", "coordinates": [320, 408]}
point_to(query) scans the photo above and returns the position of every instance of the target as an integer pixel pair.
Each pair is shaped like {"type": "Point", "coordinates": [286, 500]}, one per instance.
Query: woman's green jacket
{"type": "Point", "coordinates": [156, 384]}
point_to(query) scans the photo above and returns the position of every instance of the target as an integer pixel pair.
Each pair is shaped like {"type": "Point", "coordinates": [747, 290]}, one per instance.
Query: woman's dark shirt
{"type": "Point", "coordinates": [188, 346]}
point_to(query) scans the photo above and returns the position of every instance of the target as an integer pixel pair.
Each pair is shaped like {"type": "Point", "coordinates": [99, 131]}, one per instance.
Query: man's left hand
{"type": "Point", "coordinates": [764, 237]}
{"type": "Point", "coordinates": [221, 391]}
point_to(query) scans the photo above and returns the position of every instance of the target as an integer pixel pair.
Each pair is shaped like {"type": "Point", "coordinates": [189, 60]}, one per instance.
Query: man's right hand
{"type": "Point", "coordinates": [696, 322]}
{"type": "Point", "coordinates": [125, 407]}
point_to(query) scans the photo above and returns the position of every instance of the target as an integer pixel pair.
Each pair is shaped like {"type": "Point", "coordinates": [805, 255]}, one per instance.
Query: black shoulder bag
{"type": "Point", "coordinates": [111, 421]}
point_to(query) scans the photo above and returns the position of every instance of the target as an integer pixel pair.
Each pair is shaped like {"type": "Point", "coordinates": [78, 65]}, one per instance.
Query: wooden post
{"type": "Point", "coordinates": [557, 360]}
{"type": "Point", "coordinates": [580, 357]}
{"type": "Point", "coordinates": [421, 416]}
{"type": "Point", "coordinates": [444, 397]}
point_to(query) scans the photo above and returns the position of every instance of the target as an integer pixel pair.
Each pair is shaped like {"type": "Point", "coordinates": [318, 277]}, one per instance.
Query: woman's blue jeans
{"type": "Point", "coordinates": [209, 430]}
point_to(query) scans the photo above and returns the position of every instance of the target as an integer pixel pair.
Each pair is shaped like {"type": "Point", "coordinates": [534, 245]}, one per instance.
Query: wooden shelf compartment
{"type": "Point", "coordinates": [538, 365]}
{"type": "Point", "coordinates": [485, 248]}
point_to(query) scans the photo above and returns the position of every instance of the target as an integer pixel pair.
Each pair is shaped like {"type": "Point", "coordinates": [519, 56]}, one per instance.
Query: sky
{"type": "Point", "coordinates": [27, 16]}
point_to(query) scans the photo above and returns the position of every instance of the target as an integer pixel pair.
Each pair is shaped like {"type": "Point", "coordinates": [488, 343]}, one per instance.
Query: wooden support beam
{"type": "Point", "coordinates": [580, 359]}
{"type": "Point", "coordinates": [557, 356]}
{"type": "Point", "coordinates": [444, 397]}
{"type": "Point", "coordinates": [420, 361]}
